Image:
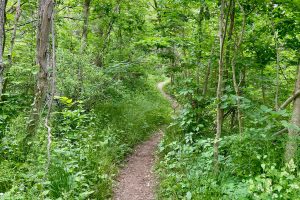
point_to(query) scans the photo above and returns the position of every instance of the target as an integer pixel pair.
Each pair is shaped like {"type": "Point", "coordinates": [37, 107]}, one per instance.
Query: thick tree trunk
{"type": "Point", "coordinates": [293, 135]}
{"type": "Point", "coordinates": [2, 43]}
{"type": "Point", "coordinates": [219, 120]}
{"type": "Point", "coordinates": [53, 89]}
{"type": "Point", "coordinates": [43, 32]}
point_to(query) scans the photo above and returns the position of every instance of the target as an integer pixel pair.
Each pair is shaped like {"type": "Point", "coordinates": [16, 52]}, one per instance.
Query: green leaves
{"type": "Point", "coordinates": [275, 183]}
{"type": "Point", "coordinates": [65, 100]}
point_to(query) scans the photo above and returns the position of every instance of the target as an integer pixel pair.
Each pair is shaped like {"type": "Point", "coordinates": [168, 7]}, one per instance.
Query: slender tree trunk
{"type": "Point", "coordinates": [277, 70]}
{"type": "Point", "coordinates": [293, 135]}
{"type": "Point", "coordinates": [222, 35]}
{"type": "Point", "coordinates": [86, 9]}
{"type": "Point", "coordinates": [263, 89]}
{"type": "Point", "coordinates": [106, 40]}
{"type": "Point", "coordinates": [13, 37]}
{"type": "Point", "coordinates": [2, 43]}
{"type": "Point", "coordinates": [234, 79]}
{"type": "Point", "coordinates": [231, 15]}
{"type": "Point", "coordinates": [12, 43]}
{"type": "Point", "coordinates": [208, 71]}
{"type": "Point", "coordinates": [43, 32]}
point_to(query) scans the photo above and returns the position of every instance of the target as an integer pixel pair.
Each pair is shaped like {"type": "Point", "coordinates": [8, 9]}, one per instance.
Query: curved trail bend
{"type": "Point", "coordinates": [137, 180]}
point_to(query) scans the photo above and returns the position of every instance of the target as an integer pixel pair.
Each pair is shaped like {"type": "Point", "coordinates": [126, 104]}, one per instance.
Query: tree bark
{"type": "Point", "coordinates": [222, 36]}
{"type": "Point", "coordinates": [205, 86]}
{"type": "Point", "coordinates": [106, 39]}
{"type": "Point", "coordinates": [2, 43]}
{"type": "Point", "coordinates": [12, 43]}
{"type": "Point", "coordinates": [50, 105]}
{"type": "Point", "coordinates": [263, 89]}
{"type": "Point", "coordinates": [289, 100]}
{"type": "Point", "coordinates": [13, 37]}
{"type": "Point", "coordinates": [293, 135]}
{"type": "Point", "coordinates": [234, 79]}
{"type": "Point", "coordinates": [230, 18]}
{"type": "Point", "coordinates": [43, 33]}
{"type": "Point", "coordinates": [86, 10]}
{"type": "Point", "coordinates": [277, 70]}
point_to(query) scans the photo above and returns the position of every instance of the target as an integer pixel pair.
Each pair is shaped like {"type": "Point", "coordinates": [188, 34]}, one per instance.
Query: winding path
{"type": "Point", "coordinates": [137, 180]}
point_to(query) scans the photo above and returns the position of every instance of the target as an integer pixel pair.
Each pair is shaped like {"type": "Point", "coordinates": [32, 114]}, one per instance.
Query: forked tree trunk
{"type": "Point", "coordinates": [43, 33]}
{"type": "Point", "coordinates": [2, 43]}
{"type": "Point", "coordinates": [293, 135]}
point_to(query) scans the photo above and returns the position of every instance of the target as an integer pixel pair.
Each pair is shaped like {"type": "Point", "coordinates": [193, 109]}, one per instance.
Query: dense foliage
{"type": "Point", "coordinates": [77, 93]}
{"type": "Point", "coordinates": [96, 119]}
{"type": "Point", "coordinates": [259, 71]}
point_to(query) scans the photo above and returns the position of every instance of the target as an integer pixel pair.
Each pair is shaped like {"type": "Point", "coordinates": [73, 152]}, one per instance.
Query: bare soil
{"type": "Point", "coordinates": [137, 180]}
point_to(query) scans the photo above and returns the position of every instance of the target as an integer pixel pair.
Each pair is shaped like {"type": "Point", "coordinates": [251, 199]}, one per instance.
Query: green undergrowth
{"type": "Point", "coordinates": [250, 167]}
{"type": "Point", "coordinates": [89, 144]}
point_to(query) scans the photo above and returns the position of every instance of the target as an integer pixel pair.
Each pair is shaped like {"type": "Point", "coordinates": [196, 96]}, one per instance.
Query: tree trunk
{"type": "Point", "coordinates": [277, 70]}
{"type": "Point", "coordinates": [53, 88]}
{"type": "Point", "coordinates": [43, 32]}
{"type": "Point", "coordinates": [231, 15]}
{"type": "Point", "coordinates": [222, 35]}
{"type": "Point", "coordinates": [293, 135]}
{"type": "Point", "coordinates": [234, 79]}
{"type": "Point", "coordinates": [12, 43]}
{"type": "Point", "coordinates": [13, 37]}
{"type": "Point", "coordinates": [204, 92]}
{"type": "Point", "coordinates": [263, 89]}
{"type": "Point", "coordinates": [2, 43]}
{"type": "Point", "coordinates": [86, 9]}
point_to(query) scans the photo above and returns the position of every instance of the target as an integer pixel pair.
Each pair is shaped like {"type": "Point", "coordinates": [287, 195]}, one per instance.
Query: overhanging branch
{"type": "Point", "coordinates": [289, 100]}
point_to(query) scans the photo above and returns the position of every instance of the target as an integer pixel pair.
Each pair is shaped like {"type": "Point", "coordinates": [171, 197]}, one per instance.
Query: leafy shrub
{"type": "Point", "coordinates": [276, 184]}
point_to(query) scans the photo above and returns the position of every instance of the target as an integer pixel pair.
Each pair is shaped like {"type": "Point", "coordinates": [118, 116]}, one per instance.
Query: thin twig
{"type": "Point", "coordinates": [280, 132]}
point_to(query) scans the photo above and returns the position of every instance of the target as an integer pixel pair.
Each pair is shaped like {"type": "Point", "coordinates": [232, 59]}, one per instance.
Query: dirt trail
{"type": "Point", "coordinates": [137, 180]}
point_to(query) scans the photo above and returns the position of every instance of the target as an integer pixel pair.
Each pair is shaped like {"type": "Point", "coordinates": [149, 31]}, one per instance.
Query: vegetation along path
{"type": "Point", "coordinates": [137, 180]}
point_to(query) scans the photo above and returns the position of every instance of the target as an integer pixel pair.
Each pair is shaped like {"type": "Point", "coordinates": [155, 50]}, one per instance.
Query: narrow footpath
{"type": "Point", "coordinates": [137, 180]}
